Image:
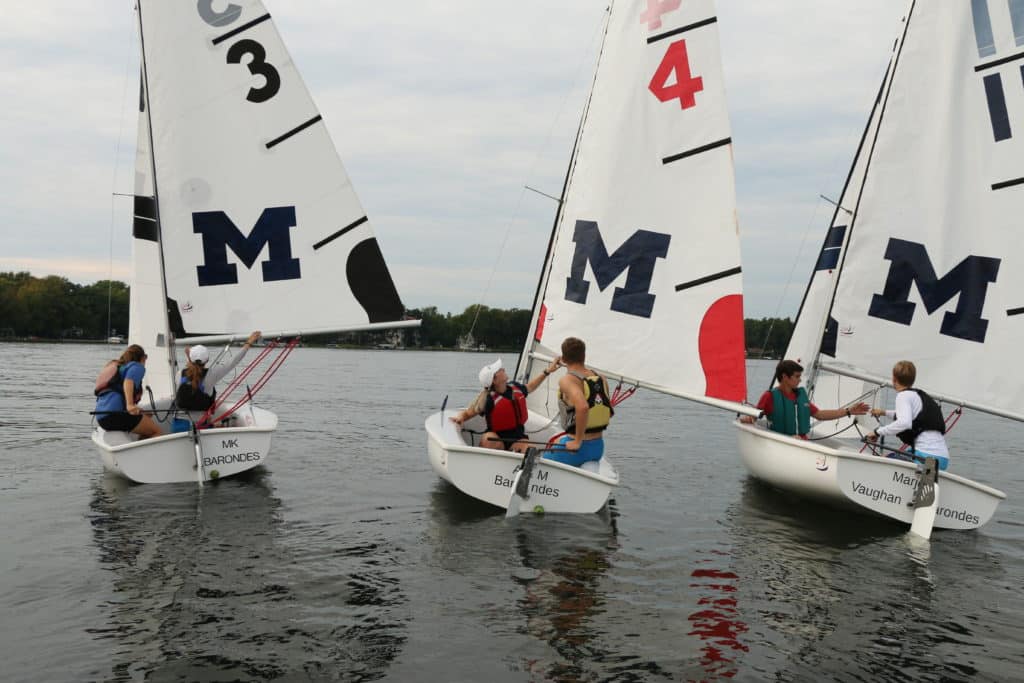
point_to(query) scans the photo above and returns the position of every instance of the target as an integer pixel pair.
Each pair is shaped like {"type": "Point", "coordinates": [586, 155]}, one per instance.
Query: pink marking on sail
{"type": "Point", "coordinates": [722, 349]}
{"type": "Point", "coordinates": [540, 322]}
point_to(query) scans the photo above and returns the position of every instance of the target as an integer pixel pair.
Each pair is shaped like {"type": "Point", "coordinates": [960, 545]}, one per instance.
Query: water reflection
{"type": "Point", "coordinates": [837, 594]}
{"type": "Point", "coordinates": [717, 622]}
{"type": "Point", "coordinates": [569, 616]}
{"type": "Point", "coordinates": [214, 584]}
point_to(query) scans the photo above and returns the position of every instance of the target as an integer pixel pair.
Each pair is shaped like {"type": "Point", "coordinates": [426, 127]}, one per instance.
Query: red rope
{"type": "Point", "coordinates": [260, 382]}
{"type": "Point", "coordinates": [275, 365]}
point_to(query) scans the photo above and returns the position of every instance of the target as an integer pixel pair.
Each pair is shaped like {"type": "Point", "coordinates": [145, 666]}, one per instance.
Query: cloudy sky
{"type": "Point", "coordinates": [442, 111]}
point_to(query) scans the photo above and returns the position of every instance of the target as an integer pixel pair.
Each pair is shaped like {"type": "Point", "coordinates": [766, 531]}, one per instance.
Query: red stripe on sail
{"type": "Point", "coordinates": [540, 322]}
{"type": "Point", "coordinates": [722, 349]}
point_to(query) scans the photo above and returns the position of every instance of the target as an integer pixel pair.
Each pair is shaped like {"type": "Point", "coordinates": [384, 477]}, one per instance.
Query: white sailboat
{"type": "Point", "coordinates": [244, 219]}
{"type": "Point", "coordinates": [644, 259]}
{"type": "Point", "coordinates": [916, 264]}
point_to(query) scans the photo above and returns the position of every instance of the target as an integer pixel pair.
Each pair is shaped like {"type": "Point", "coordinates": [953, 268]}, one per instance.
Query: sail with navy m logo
{"type": "Point", "coordinates": [254, 207]}
{"type": "Point", "coordinates": [645, 263]}
{"type": "Point", "coordinates": [933, 267]}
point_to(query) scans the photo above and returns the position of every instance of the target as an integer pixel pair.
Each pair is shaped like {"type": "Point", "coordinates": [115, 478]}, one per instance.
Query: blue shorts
{"type": "Point", "coordinates": [590, 450]}
{"type": "Point", "coordinates": [943, 460]}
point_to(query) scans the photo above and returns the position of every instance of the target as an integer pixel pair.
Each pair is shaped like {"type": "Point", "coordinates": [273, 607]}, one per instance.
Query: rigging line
{"type": "Point", "coordinates": [533, 168]}
{"type": "Point", "coordinates": [113, 180]}
{"type": "Point", "coordinates": [789, 281]}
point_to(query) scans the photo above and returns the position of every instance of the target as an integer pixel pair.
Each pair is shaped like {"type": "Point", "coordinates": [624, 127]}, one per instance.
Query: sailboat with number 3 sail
{"type": "Point", "coordinates": [644, 259]}
{"type": "Point", "coordinates": [244, 219]}
{"type": "Point", "coordinates": [918, 264]}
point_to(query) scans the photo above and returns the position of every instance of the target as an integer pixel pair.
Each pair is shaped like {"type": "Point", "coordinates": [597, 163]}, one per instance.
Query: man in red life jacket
{"type": "Point", "coordinates": [787, 407]}
{"type": "Point", "coordinates": [503, 404]}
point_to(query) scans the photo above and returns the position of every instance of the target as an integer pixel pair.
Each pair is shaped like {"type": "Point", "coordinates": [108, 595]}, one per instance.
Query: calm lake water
{"type": "Point", "coordinates": [346, 558]}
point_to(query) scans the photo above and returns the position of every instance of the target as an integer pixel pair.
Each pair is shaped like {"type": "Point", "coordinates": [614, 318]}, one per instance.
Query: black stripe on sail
{"type": "Point", "coordinates": [1015, 311]}
{"type": "Point", "coordinates": [696, 150]}
{"type": "Point", "coordinates": [1008, 183]}
{"type": "Point", "coordinates": [347, 228]}
{"type": "Point", "coordinates": [710, 278]}
{"type": "Point", "coordinates": [294, 131]}
{"type": "Point", "coordinates": [681, 29]}
{"type": "Point", "coordinates": [145, 207]}
{"type": "Point", "coordinates": [997, 107]}
{"type": "Point", "coordinates": [999, 62]}
{"type": "Point", "coordinates": [244, 27]}
{"type": "Point", "coordinates": [144, 229]}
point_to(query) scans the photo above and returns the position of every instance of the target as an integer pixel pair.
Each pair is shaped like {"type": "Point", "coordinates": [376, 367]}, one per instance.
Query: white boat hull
{"type": "Point", "coordinates": [172, 457]}
{"type": "Point", "coordinates": [839, 475]}
{"type": "Point", "coordinates": [486, 473]}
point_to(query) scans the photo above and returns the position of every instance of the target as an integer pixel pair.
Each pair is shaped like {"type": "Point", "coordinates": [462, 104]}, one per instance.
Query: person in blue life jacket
{"type": "Point", "coordinates": [788, 408]}
{"type": "Point", "coordinates": [585, 407]}
{"type": "Point", "coordinates": [503, 405]}
{"type": "Point", "coordinates": [118, 392]}
{"type": "Point", "coordinates": [197, 387]}
{"type": "Point", "coordinates": [917, 419]}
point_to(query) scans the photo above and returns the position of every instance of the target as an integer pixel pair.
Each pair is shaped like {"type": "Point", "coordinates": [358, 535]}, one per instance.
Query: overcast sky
{"type": "Point", "coordinates": [442, 111]}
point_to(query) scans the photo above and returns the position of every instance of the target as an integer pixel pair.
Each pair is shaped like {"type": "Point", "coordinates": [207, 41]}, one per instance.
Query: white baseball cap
{"type": "Point", "coordinates": [487, 373]}
{"type": "Point", "coordinates": [199, 354]}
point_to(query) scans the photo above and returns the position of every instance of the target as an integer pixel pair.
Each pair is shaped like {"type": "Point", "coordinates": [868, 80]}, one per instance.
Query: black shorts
{"type": "Point", "coordinates": [120, 422]}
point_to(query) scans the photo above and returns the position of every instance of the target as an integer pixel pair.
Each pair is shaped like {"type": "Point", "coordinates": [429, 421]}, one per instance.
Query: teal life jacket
{"type": "Point", "coordinates": [789, 417]}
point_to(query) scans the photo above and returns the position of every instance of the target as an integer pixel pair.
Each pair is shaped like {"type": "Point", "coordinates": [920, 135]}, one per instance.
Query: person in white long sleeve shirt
{"type": "Point", "coordinates": [197, 388]}
{"type": "Point", "coordinates": [917, 419]}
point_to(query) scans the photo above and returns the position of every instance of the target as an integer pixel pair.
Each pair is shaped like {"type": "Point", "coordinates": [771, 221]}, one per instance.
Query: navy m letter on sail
{"type": "Point", "coordinates": [910, 264]}
{"type": "Point", "coordinates": [637, 254]}
{"type": "Point", "coordinates": [219, 233]}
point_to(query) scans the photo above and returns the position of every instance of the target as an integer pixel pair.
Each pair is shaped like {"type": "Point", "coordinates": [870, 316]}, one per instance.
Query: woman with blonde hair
{"type": "Point", "coordinates": [118, 391]}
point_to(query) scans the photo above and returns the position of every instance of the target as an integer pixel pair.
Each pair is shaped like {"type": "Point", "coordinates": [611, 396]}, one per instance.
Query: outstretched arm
{"type": "Point", "coordinates": [220, 370]}
{"type": "Point", "coordinates": [532, 385]}
{"type": "Point", "coordinates": [858, 409]}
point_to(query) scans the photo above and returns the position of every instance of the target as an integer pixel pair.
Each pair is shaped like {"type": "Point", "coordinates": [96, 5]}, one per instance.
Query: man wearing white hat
{"type": "Point", "coordinates": [196, 390]}
{"type": "Point", "coordinates": [503, 405]}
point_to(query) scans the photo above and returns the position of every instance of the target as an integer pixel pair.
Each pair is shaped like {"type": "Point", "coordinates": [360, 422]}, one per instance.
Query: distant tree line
{"type": "Point", "coordinates": [767, 337]}
{"type": "Point", "coordinates": [55, 308]}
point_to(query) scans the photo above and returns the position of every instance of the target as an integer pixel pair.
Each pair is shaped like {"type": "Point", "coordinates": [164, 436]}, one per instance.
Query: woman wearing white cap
{"type": "Point", "coordinates": [503, 405]}
{"type": "Point", "coordinates": [197, 390]}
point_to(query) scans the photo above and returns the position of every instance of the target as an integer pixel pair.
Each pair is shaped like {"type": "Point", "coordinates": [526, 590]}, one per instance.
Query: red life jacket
{"type": "Point", "coordinates": [507, 413]}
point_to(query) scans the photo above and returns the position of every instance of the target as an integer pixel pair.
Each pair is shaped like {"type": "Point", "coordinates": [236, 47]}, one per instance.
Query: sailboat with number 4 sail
{"type": "Point", "coordinates": [917, 265]}
{"type": "Point", "coordinates": [644, 260]}
{"type": "Point", "coordinates": [244, 219]}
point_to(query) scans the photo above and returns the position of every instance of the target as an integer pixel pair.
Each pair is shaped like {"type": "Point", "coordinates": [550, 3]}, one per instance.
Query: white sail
{"type": "Point", "coordinates": [644, 264]}
{"type": "Point", "coordinates": [256, 211]}
{"type": "Point", "coordinates": [932, 272]}
{"type": "Point", "coordinates": [147, 317]}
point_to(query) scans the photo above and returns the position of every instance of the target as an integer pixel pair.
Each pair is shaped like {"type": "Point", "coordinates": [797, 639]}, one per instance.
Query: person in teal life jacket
{"type": "Point", "coordinates": [118, 391]}
{"type": "Point", "coordinates": [196, 388]}
{"type": "Point", "coordinates": [789, 410]}
{"type": "Point", "coordinates": [503, 405]}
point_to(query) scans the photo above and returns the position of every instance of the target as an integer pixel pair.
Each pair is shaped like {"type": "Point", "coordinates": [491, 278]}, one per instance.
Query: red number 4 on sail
{"type": "Point", "coordinates": [685, 87]}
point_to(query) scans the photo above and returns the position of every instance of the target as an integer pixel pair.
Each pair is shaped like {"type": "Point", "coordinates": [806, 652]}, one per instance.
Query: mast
{"type": "Point", "coordinates": [165, 335]}
{"type": "Point", "coordinates": [867, 170]}
{"type": "Point", "coordinates": [545, 272]}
